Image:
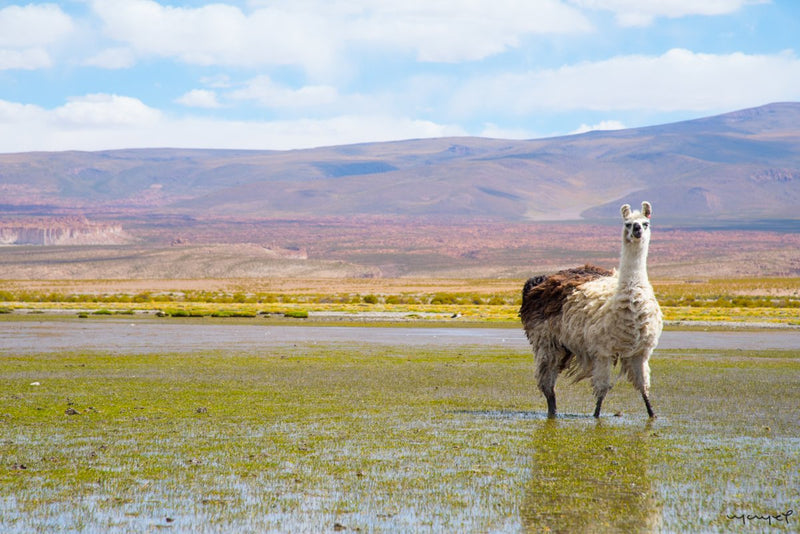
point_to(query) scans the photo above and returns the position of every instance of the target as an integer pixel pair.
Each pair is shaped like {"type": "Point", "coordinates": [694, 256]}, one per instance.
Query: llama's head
{"type": "Point", "coordinates": [637, 223]}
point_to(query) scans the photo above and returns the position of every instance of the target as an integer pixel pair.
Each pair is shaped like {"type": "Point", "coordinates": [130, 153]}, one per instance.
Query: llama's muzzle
{"type": "Point", "coordinates": [637, 230]}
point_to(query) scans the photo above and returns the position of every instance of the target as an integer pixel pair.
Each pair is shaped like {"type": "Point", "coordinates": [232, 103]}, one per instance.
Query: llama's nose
{"type": "Point", "coordinates": [637, 230]}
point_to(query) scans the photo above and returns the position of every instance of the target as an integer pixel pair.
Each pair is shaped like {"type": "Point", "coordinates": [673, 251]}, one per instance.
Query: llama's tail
{"type": "Point", "coordinates": [532, 282]}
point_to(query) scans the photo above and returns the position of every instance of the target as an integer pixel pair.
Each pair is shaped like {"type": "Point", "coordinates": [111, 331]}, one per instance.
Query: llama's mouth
{"type": "Point", "coordinates": [634, 238]}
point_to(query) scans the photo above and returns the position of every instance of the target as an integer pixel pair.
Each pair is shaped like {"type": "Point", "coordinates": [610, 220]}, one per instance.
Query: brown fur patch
{"type": "Point", "coordinates": [543, 296]}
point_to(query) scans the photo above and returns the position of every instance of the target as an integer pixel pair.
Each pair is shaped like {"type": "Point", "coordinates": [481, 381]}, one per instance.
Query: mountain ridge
{"type": "Point", "coordinates": [730, 169]}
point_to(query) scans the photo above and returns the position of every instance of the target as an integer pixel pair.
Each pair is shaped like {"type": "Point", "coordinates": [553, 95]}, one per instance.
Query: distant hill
{"type": "Point", "coordinates": [737, 169]}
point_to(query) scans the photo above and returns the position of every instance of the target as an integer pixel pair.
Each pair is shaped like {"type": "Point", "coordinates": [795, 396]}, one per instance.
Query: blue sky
{"type": "Point", "coordinates": [282, 74]}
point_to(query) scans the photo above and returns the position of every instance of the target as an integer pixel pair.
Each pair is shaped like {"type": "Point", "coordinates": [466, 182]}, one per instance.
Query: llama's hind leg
{"type": "Point", "coordinates": [601, 382]}
{"type": "Point", "coordinates": [547, 385]}
{"type": "Point", "coordinates": [546, 375]}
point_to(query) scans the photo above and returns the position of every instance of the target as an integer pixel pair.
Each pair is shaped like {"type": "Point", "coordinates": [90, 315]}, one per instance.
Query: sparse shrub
{"type": "Point", "coordinates": [102, 312]}
{"type": "Point", "coordinates": [186, 313]}
{"type": "Point", "coordinates": [370, 299]}
{"type": "Point", "coordinates": [296, 314]}
{"type": "Point", "coordinates": [444, 298]}
{"type": "Point", "coordinates": [233, 313]}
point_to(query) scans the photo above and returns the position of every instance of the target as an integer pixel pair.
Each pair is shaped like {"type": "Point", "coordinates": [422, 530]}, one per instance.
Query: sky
{"type": "Point", "coordinates": [286, 74]}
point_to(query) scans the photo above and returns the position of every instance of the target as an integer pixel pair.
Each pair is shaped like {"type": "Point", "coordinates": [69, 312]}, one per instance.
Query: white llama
{"type": "Point", "coordinates": [586, 320]}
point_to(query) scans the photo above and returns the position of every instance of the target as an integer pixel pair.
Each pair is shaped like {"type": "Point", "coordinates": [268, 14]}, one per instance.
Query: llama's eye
{"type": "Point", "coordinates": [628, 225]}
{"type": "Point", "coordinates": [645, 224]}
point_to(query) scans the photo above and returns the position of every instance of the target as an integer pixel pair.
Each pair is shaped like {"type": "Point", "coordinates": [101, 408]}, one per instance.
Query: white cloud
{"type": "Point", "coordinates": [642, 13]}
{"type": "Point", "coordinates": [26, 59]}
{"type": "Point", "coordinates": [456, 31]}
{"type": "Point", "coordinates": [113, 58]}
{"type": "Point", "coordinates": [28, 32]}
{"type": "Point", "coordinates": [199, 98]}
{"type": "Point", "coordinates": [267, 93]}
{"type": "Point", "coordinates": [12, 113]}
{"type": "Point", "coordinates": [33, 25]}
{"type": "Point", "coordinates": [602, 125]}
{"type": "Point", "coordinates": [217, 81]}
{"type": "Point", "coordinates": [219, 34]}
{"type": "Point", "coordinates": [106, 111]}
{"type": "Point", "coordinates": [96, 122]}
{"type": "Point", "coordinates": [678, 80]}
{"type": "Point", "coordinates": [316, 34]}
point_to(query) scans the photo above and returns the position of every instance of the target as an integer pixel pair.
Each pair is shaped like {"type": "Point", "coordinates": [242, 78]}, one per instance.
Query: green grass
{"type": "Point", "coordinates": [389, 438]}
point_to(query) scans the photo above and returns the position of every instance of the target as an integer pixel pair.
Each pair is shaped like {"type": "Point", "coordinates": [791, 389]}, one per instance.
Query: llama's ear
{"type": "Point", "coordinates": [647, 209]}
{"type": "Point", "coordinates": [625, 210]}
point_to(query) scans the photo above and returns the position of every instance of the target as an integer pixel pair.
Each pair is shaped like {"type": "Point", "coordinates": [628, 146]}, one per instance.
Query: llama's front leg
{"type": "Point", "coordinates": [601, 382]}
{"type": "Point", "coordinates": [647, 405]}
{"type": "Point", "coordinates": [645, 387]}
{"type": "Point", "coordinates": [638, 372]}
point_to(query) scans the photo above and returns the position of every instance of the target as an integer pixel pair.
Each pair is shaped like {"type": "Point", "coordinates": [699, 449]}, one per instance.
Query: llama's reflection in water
{"type": "Point", "coordinates": [590, 477]}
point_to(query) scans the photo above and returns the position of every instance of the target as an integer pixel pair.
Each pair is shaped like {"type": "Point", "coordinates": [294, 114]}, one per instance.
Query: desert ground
{"type": "Point", "coordinates": [399, 248]}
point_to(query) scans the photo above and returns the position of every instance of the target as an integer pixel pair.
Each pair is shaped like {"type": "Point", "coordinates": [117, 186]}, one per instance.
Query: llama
{"type": "Point", "coordinates": [586, 320]}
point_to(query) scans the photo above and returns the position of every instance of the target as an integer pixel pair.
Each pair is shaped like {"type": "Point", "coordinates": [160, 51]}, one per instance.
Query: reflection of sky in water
{"type": "Point", "coordinates": [132, 336]}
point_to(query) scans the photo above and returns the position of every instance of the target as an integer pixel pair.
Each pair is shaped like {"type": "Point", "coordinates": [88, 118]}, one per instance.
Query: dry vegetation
{"type": "Point", "coordinates": [473, 269]}
{"type": "Point", "coordinates": [751, 300]}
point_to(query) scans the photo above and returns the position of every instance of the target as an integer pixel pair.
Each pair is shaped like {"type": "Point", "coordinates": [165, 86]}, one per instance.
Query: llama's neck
{"type": "Point", "coordinates": [633, 265]}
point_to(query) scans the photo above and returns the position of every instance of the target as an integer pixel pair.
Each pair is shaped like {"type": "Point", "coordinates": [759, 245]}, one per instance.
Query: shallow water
{"type": "Point", "coordinates": [382, 429]}
{"type": "Point", "coordinates": [134, 336]}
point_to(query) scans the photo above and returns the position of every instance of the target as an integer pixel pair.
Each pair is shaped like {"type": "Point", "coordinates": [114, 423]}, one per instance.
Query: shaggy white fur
{"type": "Point", "coordinates": [601, 320]}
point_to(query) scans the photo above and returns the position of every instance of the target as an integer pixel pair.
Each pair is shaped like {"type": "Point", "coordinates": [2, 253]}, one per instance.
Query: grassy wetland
{"type": "Point", "coordinates": [324, 437]}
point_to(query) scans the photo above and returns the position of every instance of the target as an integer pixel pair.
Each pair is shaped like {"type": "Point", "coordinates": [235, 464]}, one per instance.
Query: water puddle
{"type": "Point", "coordinates": [132, 337]}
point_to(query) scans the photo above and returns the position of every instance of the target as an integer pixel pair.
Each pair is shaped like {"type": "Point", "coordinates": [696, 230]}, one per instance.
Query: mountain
{"type": "Point", "coordinates": [739, 169]}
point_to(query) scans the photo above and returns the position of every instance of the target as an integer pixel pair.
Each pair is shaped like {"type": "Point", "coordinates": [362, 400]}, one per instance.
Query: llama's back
{"type": "Point", "coordinates": [543, 297]}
